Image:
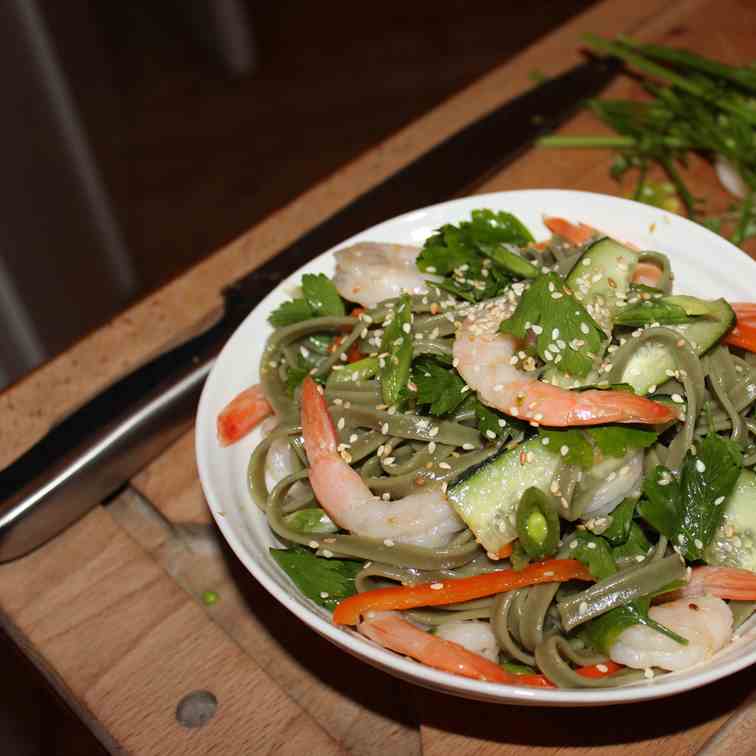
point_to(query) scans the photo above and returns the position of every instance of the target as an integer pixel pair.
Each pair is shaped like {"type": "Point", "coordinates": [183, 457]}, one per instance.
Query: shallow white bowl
{"type": "Point", "coordinates": [704, 264]}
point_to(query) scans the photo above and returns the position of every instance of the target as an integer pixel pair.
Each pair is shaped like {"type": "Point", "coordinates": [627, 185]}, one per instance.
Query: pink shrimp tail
{"type": "Point", "coordinates": [319, 432]}
{"type": "Point", "coordinates": [724, 582]}
{"type": "Point", "coordinates": [395, 633]}
{"type": "Point", "coordinates": [554, 406]}
{"type": "Point", "coordinates": [242, 414]}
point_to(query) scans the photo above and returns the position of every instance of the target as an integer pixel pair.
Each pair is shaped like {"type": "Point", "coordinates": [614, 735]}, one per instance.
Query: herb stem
{"type": "Point", "coordinates": [611, 142]}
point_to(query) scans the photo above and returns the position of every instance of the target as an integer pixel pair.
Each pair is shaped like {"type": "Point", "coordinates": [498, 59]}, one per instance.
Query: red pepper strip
{"type": "Point", "coordinates": [743, 336]}
{"type": "Point", "coordinates": [505, 551]}
{"type": "Point", "coordinates": [599, 670]}
{"type": "Point", "coordinates": [458, 589]}
{"type": "Point", "coordinates": [574, 234]}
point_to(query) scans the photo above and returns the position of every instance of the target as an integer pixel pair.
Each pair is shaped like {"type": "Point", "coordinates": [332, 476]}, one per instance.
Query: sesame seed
{"type": "Point", "coordinates": [591, 545]}
{"type": "Point", "coordinates": [324, 594]}
{"type": "Point", "coordinates": [719, 500]}
{"type": "Point", "coordinates": [388, 542]}
{"type": "Point", "coordinates": [502, 423]}
{"type": "Point", "coordinates": [573, 544]}
{"type": "Point", "coordinates": [677, 399]}
{"type": "Point", "coordinates": [602, 668]}
{"type": "Point", "coordinates": [455, 362]}
{"type": "Point", "coordinates": [698, 543]}
{"type": "Point", "coordinates": [700, 466]}
{"type": "Point", "coordinates": [431, 447]}
{"type": "Point", "coordinates": [327, 554]}
{"type": "Point", "coordinates": [583, 607]}
{"type": "Point", "coordinates": [648, 673]}
{"type": "Point", "coordinates": [584, 328]}
{"type": "Point", "coordinates": [545, 440]}
{"type": "Point", "coordinates": [564, 450]}
{"type": "Point", "coordinates": [468, 447]}
{"type": "Point", "coordinates": [385, 429]}
{"type": "Point", "coordinates": [341, 423]}
{"type": "Point", "coordinates": [406, 327]}
{"type": "Point", "coordinates": [313, 544]}
{"type": "Point", "coordinates": [436, 586]}
{"type": "Point", "coordinates": [433, 432]}
{"type": "Point", "coordinates": [444, 465]}
{"type": "Point", "coordinates": [389, 460]}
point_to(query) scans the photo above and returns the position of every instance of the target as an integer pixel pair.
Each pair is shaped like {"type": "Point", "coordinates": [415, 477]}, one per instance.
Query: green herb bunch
{"type": "Point", "coordinates": [696, 105]}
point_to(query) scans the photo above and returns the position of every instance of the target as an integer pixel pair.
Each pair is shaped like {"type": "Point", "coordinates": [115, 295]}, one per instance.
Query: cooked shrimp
{"type": "Point", "coordinates": [390, 630]}
{"type": "Point", "coordinates": [645, 273]}
{"type": "Point", "coordinates": [242, 414]}
{"type": "Point", "coordinates": [724, 582]}
{"type": "Point", "coordinates": [422, 519]}
{"type": "Point", "coordinates": [706, 622]}
{"type": "Point", "coordinates": [370, 272]}
{"type": "Point", "coordinates": [484, 359]}
{"type": "Point", "coordinates": [474, 635]}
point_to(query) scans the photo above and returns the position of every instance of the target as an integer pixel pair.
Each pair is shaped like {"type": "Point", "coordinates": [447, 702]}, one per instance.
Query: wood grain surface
{"type": "Point", "coordinates": [112, 610]}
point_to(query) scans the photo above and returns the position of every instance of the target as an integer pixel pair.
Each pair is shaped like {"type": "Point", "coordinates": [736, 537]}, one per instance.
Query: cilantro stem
{"type": "Point", "coordinates": [642, 64]}
{"type": "Point", "coordinates": [610, 142]}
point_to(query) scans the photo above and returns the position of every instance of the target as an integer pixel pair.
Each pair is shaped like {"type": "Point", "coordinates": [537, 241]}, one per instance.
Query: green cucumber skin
{"type": "Point", "coordinates": [649, 366]}
{"type": "Point", "coordinates": [611, 261]}
{"type": "Point", "coordinates": [734, 542]}
{"type": "Point", "coordinates": [487, 498]}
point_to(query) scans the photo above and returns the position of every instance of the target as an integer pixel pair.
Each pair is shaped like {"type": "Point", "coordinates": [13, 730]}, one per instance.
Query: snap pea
{"type": "Point", "coordinates": [537, 523]}
{"type": "Point", "coordinates": [397, 344]}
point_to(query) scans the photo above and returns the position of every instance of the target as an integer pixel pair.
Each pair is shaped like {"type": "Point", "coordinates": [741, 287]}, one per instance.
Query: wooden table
{"type": "Point", "coordinates": [111, 611]}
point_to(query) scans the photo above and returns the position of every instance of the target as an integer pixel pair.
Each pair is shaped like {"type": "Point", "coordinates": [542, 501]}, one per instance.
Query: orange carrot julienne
{"type": "Point", "coordinates": [458, 589]}
{"type": "Point", "coordinates": [506, 550]}
{"type": "Point", "coordinates": [575, 234]}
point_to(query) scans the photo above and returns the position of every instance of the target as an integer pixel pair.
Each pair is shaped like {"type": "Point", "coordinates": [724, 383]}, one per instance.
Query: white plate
{"type": "Point", "coordinates": [704, 264]}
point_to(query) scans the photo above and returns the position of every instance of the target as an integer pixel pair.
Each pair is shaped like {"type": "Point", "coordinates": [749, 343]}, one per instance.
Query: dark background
{"type": "Point", "coordinates": [196, 120]}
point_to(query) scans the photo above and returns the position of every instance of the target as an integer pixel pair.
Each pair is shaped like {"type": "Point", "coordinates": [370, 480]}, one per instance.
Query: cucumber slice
{"type": "Point", "coordinates": [487, 496]}
{"type": "Point", "coordinates": [734, 542]}
{"type": "Point", "coordinates": [600, 277]}
{"type": "Point", "coordinates": [648, 367]}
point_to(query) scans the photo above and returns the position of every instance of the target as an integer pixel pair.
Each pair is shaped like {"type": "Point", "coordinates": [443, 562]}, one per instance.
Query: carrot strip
{"type": "Point", "coordinates": [569, 231]}
{"type": "Point", "coordinates": [353, 355]}
{"type": "Point", "coordinates": [505, 551]}
{"type": "Point", "coordinates": [647, 273]}
{"type": "Point", "coordinates": [458, 589]}
{"type": "Point", "coordinates": [743, 336]}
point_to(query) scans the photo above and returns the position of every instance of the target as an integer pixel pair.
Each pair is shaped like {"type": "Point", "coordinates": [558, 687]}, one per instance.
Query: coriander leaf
{"type": "Point", "coordinates": [705, 477]}
{"type": "Point", "coordinates": [321, 295]}
{"type": "Point", "coordinates": [517, 669]}
{"type": "Point", "coordinates": [295, 374]}
{"type": "Point", "coordinates": [593, 551]}
{"type": "Point", "coordinates": [491, 424]}
{"type": "Point", "coordinates": [567, 335]}
{"type": "Point", "coordinates": [447, 250]}
{"type": "Point", "coordinates": [571, 445]}
{"type": "Point", "coordinates": [621, 519]}
{"type": "Point", "coordinates": [488, 226]}
{"type": "Point", "coordinates": [287, 313]}
{"type": "Point", "coordinates": [617, 440]}
{"type": "Point", "coordinates": [636, 545]}
{"type": "Point", "coordinates": [310, 520]}
{"type": "Point", "coordinates": [437, 385]}
{"type": "Point", "coordinates": [661, 507]}
{"type": "Point", "coordinates": [315, 576]}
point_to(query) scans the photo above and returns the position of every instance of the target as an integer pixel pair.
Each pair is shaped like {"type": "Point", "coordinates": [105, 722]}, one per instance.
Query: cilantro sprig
{"type": "Point", "coordinates": [319, 298]}
{"type": "Point", "coordinates": [688, 509]}
{"type": "Point", "coordinates": [438, 386]}
{"type": "Point", "coordinates": [478, 258]}
{"type": "Point", "coordinates": [566, 335]}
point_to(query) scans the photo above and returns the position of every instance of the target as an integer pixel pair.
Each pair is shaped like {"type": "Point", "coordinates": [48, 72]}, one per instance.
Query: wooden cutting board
{"type": "Point", "coordinates": [112, 610]}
